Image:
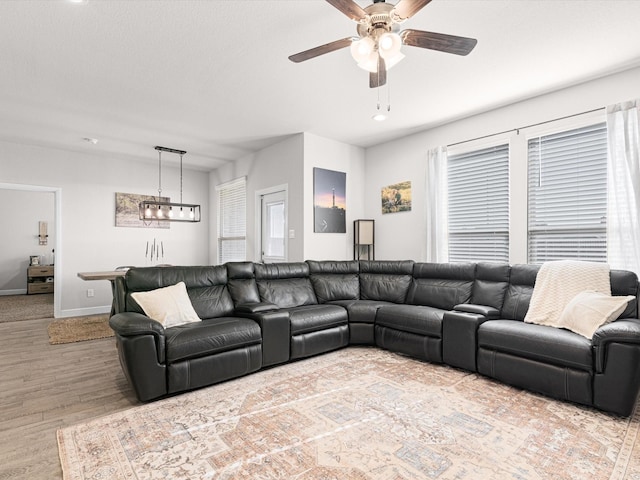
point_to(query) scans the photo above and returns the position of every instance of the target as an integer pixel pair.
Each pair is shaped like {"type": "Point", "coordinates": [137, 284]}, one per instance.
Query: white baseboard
{"type": "Point", "coordinates": [82, 312]}
{"type": "Point", "coordinates": [19, 291]}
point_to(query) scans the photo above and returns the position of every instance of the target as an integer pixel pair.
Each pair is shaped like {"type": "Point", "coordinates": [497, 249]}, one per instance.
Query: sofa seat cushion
{"type": "Point", "coordinates": [311, 318]}
{"type": "Point", "coordinates": [537, 342]}
{"type": "Point", "coordinates": [210, 337]}
{"type": "Point", "coordinates": [418, 319]}
{"type": "Point", "coordinates": [362, 311]}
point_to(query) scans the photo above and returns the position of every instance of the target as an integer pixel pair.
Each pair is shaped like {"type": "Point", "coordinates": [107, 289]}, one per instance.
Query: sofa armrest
{"type": "Point", "coordinates": [460, 338]}
{"type": "Point", "coordinates": [132, 324]}
{"type": "Point", "coordinates": [128, 324]}
{"type": "Point", "coordinates": [256, 307]}
{"type": "Point", "coordinates": [141, 348]}
{"type": "Point", "coordinates": [624, 330]}
{"type": "Point", "coordinates": [276, 335]}
{"type": "Point", "coordinates": [489, 313]}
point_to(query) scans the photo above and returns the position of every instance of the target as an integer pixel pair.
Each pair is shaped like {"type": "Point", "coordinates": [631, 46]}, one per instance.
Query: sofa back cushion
{"type": "Point", "coordinates": [385, 280]}
{"type": "Point", "coordinates": [441, 285]}
{"type": "Point", "coordinates": [523, 279]}
{"type": "Point", "coordinates": [206, 286]}
{"type": "Point", "coordinates": [285, 284]}
{"type": "Point", "coordinates": [624, 282]}
{"type": "Point", "coordinates": [519, 290]}
{"type": "Point", "coordinates": [242, 283]}
{"type": "Point", "coordinates": [334, 280]}
{"type": "Point", "coordinates": [490, 286]}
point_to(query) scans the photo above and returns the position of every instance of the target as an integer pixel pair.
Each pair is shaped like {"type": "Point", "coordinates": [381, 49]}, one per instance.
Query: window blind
{"type": "Point", "coordinates": [478, 194]}
{"type": "Point", "coordinates": [568, 195]}
{"type": "Point", "coordinates": [232, 227]}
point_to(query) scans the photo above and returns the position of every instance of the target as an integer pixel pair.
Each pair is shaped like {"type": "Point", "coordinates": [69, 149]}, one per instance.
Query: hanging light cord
{"type": "Point", "coordinates": [159, 174]}
{"type": "Point", "coordinates": [181, 177]}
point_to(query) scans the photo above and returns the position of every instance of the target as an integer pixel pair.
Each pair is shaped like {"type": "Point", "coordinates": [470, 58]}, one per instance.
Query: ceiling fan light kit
{"type": "Point", "coordinates": [377, 48]}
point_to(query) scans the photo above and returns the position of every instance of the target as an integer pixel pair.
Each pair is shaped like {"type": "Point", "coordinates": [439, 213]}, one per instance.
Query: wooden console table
{"type": "Point", "coordinates": [110, 275]}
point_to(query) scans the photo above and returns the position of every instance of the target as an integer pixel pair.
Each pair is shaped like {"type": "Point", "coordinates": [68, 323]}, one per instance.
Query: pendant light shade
{"type": "Point", "coordinates": [169, 211]}
{"type": "Point", "coordinates": [150, 210]}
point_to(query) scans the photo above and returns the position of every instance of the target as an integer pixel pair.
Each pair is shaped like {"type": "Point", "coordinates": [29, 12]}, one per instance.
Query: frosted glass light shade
{"type": "Point", "coordinates": [370, 64]}
{"type": "Point", "coordinates": [389, 45]}
{"type": "Point", "coordinates": [362, 49]}
{"type": "Point", "coordinates": [390, 62]}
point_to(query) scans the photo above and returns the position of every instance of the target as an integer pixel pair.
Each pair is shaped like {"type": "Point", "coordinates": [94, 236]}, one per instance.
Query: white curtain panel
{"type": "Point", "coordinates": [437, 248]}
{"type": "Point", "coordinates": [623, 224]}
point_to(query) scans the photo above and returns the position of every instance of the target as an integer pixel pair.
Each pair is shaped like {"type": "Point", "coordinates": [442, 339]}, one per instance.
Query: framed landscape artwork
{"type": "Point", "coordinates": [329, 201]}
{"type": "Point", "coordinates": [127, 213]}
{"type": "Point", "coordinates": [396, 198]}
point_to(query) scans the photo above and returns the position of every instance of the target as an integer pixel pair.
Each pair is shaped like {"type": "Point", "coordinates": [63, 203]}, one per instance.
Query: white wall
{"type": "Point", "coordinates": [403, 235]}
{"type": "Point", "coordinates": [278, 164]}
{"type": "Point", "coordinates": [329, 154]}
{"type": "Point", "coordinates": [290, 162]}
{"type": "Point", "coordinates": [90, 241]}
{"type": "Point", "coordinates": [87, 184]}
{"type": "Point", "coordinates": [19, 239]}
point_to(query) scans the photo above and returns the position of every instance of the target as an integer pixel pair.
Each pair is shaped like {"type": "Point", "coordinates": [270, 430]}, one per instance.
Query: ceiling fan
{"type": "Point", "coordinates": [377, 46]}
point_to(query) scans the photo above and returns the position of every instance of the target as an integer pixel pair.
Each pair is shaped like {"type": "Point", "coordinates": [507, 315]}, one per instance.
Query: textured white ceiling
{"type": "Point", "coordinates": [213, 78]}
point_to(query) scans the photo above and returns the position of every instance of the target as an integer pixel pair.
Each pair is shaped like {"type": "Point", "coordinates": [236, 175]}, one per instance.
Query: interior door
{"type": "Point", "coordinates": [274, 227]}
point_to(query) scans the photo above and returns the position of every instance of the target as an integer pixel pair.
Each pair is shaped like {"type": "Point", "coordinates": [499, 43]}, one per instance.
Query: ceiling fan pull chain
{"type": "Point", "coordinates": [388, 96]}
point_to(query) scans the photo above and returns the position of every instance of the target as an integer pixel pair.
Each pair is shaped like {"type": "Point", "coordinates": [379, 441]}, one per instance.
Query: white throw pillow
{"type": "Point", "coordinates": [170, 306]}
{"type": "Point", "coordinates": [589, 310]}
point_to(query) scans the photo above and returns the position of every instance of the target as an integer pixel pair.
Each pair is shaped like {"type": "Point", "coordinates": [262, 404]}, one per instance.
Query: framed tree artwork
{"type": "Point", "coordinates": [127, 213]}
{"type": "Point", "coordinates": [396, 198]}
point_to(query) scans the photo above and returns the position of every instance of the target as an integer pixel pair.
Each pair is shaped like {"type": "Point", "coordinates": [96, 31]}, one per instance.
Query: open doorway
{"type": "Point", "coordinates": [22, 240]}
{"type": "Point", "coordinates": [273, 221]}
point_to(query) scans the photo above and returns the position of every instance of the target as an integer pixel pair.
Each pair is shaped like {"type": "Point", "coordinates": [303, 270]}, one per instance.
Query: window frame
{"type": "Point", "coordinates": [496, 141]}
{"type": "Point", "coordinates": [555, 128]}
{"type": "Point", "coordinates": [241, 234]}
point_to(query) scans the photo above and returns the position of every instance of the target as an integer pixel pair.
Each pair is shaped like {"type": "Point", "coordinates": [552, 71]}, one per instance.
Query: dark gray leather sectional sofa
{"type": "Point", "coordinates": [465, 315]}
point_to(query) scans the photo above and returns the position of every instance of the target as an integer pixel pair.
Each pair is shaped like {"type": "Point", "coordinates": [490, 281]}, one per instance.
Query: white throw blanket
{"type": "Point", "coordinates": [559, 282]}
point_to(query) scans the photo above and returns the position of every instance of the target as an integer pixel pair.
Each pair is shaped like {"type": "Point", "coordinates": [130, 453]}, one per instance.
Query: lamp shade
{"type": "Point", "coordinates": [363, 232]}
{"type": "Point", "coordinates": [362, 49]}
{"type": "Point", "coordinates": [394, 60]}
{"type": "Point", "coordinates": [370, 64]}
{"type": "Point", "coordinates": [389, 45]}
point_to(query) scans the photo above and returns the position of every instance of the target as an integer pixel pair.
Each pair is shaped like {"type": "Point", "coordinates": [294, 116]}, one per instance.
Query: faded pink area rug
{"type": "Point", "coordinates": [358, 413]}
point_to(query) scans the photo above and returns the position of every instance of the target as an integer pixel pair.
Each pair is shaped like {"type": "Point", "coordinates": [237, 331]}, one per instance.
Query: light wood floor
{"type": "Point", "coordinates": [44, 387]}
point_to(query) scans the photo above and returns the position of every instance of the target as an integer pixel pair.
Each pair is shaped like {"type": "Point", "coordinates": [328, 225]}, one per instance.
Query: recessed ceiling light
{"type": "Point", "coordinates": [77, 1]}
{"type": "Point", "coordinates": [379, 117]}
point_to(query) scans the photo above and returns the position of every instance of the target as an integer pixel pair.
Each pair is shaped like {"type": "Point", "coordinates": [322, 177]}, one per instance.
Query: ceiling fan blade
{"type": "Point", "coordinates": [438, 41]}
{"type": "Point", "coordinates": [321, 50]}
{"type": "Point", "coordinates": [349, 8]}
{"type": "Point", "coordinates": [379, 78]}
{"type": "Point", "coordinates": [408, 8]}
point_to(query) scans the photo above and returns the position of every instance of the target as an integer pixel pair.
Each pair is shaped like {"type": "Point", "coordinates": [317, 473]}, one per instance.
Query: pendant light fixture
{"type": "Point", "coordinates": [155, 209]}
